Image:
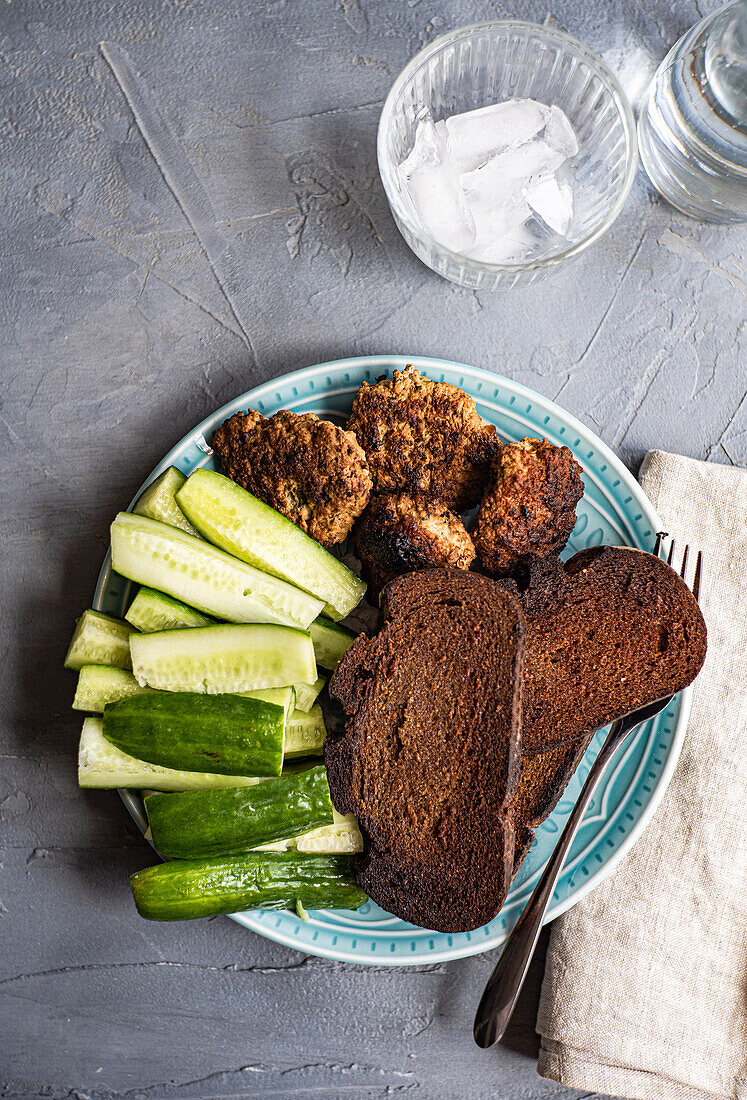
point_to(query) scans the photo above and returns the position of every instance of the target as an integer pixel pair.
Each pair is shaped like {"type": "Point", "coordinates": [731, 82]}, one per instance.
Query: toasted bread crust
{"type": "Point", "coordinates": [523, 840]}
{"type": "Point", "coordinates": [428, 760]}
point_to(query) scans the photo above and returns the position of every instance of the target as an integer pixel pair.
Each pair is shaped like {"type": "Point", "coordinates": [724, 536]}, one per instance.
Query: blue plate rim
{"type": "Point", "coordinates": [426, 363]}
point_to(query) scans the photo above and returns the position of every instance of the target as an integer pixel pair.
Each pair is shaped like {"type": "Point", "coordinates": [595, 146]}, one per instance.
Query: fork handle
{"type": "Point", "coordinates": [502, 991]}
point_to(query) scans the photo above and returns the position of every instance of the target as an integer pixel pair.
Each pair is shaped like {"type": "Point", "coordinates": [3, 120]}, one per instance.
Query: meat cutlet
{"type": "Point", "coordinates": [401, 533]}
{"type": "Point", "coordinates": [529, 508]}
{"type": "Point", "coordinates": [309, 469]}
{"type": "Point", "coordinates": [423, 437]}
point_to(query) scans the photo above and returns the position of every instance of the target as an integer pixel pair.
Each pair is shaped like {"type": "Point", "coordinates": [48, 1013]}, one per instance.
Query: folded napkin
{"type": "Point", "coordinates": [645, 987]}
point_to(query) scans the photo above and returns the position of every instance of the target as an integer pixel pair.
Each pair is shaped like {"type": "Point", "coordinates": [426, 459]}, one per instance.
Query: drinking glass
{"type": "Point", "coordinates": [692, 132]}
{"type": "Point", "coordinates": [509, 59]}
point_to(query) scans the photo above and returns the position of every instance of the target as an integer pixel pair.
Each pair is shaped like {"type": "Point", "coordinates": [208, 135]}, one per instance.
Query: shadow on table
{"type": "Point", "coordinates": [521, 1035]}
{"type": "Point", "coordinates": [459, 994]}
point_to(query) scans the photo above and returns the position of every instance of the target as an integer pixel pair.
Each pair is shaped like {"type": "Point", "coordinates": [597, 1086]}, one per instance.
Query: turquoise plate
{"type": "Point", "coordinates": [613, 511]}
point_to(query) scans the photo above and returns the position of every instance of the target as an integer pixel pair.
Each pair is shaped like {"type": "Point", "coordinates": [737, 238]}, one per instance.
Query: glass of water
{"type": "Point", "coordinates": [692, 132]}
{"type": "Point", "coordinates": [489, 63]}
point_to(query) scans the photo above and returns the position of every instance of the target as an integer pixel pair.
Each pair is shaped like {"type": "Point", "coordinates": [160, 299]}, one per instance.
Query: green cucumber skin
{"type": "Point", "coordinates": [236, 521]}
{"type": "Point", "coordinates": [99, 639]}
{"type": "Point", "coordinates": [331, 641]}
{"type": "Point", "coordinates": [194, 572]}
{"type": "Point", "coordinates": [151, 611]}
{"type": "Point", "coordinates": [102, 766]}
{"type": "Point", "coordinates": [282, 697]}
{"type": "Point", "coordinates": [185, 889]}
{"type": "Point", "coordinates": [199, 824]}
{"type": "Point", "coordinates": [187, 731]}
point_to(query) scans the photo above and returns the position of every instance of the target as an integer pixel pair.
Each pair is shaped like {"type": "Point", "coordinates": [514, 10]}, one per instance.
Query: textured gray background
{"type": "Point", "coordinates": [117, 338]}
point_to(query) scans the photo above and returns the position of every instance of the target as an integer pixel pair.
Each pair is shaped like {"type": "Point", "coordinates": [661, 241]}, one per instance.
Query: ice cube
{"type": "Point", "coordinates": [490, 184]}
{"type": "Point", "coordinates": [559, 134]}
{"type": "Point", "coordinates": [513, 248]}
{"type": "Point", "coordinates": [496, 202]}
{"type": "Point", "coordinates": [432, 186]}
{"type": "Point", "coordinates": [475, 136]}
{"type": "Point", "coordinates": [553, 202]}
{"type": "Point", "coordinates": [483, 183]}
{"type": "Point", "coordinates": [500, 231]}
{"type": "Point", "coordinates": [533, 158]}
{"type": "Point", "coordinates": [428, 147]}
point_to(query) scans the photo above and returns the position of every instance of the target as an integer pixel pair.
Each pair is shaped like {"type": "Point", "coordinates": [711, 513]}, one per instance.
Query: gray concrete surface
{"type": "Point", "coordinates": [119, 335]}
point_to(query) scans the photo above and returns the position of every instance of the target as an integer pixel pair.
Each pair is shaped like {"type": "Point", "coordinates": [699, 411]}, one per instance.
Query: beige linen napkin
{"type": "Point", "coordinates": [645, 987]}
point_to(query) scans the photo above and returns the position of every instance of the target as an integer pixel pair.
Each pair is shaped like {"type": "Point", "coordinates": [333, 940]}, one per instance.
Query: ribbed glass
{"type": "Point", "coordinates": [491, 62]}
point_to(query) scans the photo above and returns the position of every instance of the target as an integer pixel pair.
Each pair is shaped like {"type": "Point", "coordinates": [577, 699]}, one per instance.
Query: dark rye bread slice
{"type": "Point", "coordinates": [429, 758]}
{"type": "Point", "coordinates": [523, 840]}
{"type": "Point", "coordinates": [610, 630]}
{"type": "Point", "coordinates": [544, 777]}
{"type": "Point", "coordinates": [639, 635]}
{"type": "Point", "coordinates": [607, 631]}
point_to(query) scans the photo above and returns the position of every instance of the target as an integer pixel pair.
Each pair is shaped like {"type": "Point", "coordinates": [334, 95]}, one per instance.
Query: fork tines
{"type": "Point", "coordinates": [660, 536]}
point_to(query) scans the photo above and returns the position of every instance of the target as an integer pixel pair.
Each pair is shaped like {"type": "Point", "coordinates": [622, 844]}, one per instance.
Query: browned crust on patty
{"type": "Point", "coordinates": [425, 437]}
{"type": "Point", "coordinates": [529, 508]}
{"type": "Point", "coordinates": [401, 533]}
{"type": "Point", "coordinates": [309, 469]}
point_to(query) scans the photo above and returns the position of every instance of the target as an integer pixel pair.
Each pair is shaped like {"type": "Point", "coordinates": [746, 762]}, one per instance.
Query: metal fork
{"type": "Point", "coordinates": [502, 991]}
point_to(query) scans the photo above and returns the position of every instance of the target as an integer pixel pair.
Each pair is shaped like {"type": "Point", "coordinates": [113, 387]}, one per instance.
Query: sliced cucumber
{"type": "Point", "coordinates": [103, 766]}
{"type": "Point", "coordinates": [228, 734]}
{"type": "Point", "coordinates": [186, 888]}
{"type": "Point", "coordinates": [282, 697]}
{"type": "Point", "coordinates": [341, 838]}
{"type": "Point", "coordinates": [213, 823]}
{"type": "Point", "coordinates": [306, 694]}
{"type": "Point", "coordinates": [99, 639]}
{"type": "Point", "coordinates": [151, 611]}
{"type": "Point", "coordinates": [190, 569]}
{"type": "Point", "coordinates": [221, 659]}
{"type": "Point", "coordinates": [305, 733]}
{"type": "Point", "coordinates": [102, 684]}
{"type": "Point", "coordinates": [158, 501]}
{"type": "Point", "coordinates": [238, 523]}
{"type": "Point", "coordinates": [330, 642]}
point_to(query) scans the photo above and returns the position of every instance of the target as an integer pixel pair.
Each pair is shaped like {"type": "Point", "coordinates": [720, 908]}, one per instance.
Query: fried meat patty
{"type": "Point", "coordinates": [401, 533]}
{"type": "Point", "coordinates": [529, 508]}
{"type": "Point", "coordinates": [423, 437]}
{"type": "Point", "coordinates": [309, 469]}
